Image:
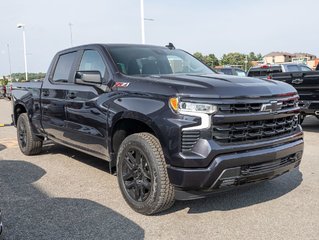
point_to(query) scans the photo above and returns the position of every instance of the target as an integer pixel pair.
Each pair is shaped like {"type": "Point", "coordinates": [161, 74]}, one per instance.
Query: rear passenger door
{"type": "Point", "coordinates": [53, 95]}
{"type": "Point", "coordinates": [86, 119]}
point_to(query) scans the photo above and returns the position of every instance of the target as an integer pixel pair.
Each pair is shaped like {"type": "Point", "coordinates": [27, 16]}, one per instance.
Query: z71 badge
{"type": "Point", "coordinates": [122, 84]}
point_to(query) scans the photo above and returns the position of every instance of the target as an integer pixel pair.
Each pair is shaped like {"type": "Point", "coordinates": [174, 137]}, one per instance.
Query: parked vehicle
{"type": "Point", "coordinates": [317, 68]}
{"type": "Point", "coordinates": [263, 71]}
{"type": "Point", "coordinates": [2, 91]}
{"type": "Point", "coordinates": [232, 71]}
{"type": "Point", "coordinates": [171, 127]}
{"type": "Point", "coordinates": [9, 90]}
{"type": "Point", "coordinates": [307, 85]}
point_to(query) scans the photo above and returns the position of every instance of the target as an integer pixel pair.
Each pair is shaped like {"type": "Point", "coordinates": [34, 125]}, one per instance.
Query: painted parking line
{"type": "Point", "coordinates": [6, 125]}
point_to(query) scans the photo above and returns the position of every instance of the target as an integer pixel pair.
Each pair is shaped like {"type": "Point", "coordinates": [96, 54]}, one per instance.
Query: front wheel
{"type": "Point", "coordinates": [142, 174]}
{"type": "Point", "coordinates": [29, 143]}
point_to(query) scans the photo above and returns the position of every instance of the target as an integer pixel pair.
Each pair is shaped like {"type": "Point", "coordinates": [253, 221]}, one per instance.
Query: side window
{"type": "Point", "coordinates": [92, 61]}
{"type": "Point", "coordinates": [63, 67]}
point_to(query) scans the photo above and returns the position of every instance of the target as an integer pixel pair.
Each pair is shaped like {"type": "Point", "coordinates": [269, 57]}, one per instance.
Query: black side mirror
{"type": "Point", "coordinates": [88, 77]}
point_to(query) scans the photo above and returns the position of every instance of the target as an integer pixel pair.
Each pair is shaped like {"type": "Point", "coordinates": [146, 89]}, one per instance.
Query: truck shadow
{"type": "Point", "coordinates": [29, 213]}
{"type": "Point", "coordinates": [311, 124]}
{"type": "Point", "coordinates": [244, 196]}
{"type": "Point", "coordinates": [234, 199]}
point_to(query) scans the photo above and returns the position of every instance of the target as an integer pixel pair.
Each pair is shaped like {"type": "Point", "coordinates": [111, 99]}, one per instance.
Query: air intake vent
{"type": "Point", "coordinates": [189, 139]}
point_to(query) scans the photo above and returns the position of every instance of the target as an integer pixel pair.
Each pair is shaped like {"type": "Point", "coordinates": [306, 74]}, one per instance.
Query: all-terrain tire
{"type": "Point", "coordinates": [161, 195]}
{"type": "Point", "coordinates": [28, 142]}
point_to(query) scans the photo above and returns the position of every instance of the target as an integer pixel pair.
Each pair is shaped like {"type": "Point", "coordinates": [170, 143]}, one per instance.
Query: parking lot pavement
{"type": "Point", "coordinates": [65, 194]}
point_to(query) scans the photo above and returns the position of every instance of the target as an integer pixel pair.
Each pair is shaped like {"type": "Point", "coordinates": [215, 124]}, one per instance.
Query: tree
{"type": "Point", "coordinates": [233, 59]}
{"type": "Point", "coordinates": [210, 60]}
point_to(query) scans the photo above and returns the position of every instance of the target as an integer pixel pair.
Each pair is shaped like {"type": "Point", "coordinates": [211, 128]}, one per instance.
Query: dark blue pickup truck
{"type": "Point", "coordinates": [169, 126]}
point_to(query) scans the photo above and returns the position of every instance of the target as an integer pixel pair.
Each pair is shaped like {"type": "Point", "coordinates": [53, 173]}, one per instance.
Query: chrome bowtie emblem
{"type": "Point", "coordinates": [273, 106]}
{"type": "Point", "coordinates": [297, 81]}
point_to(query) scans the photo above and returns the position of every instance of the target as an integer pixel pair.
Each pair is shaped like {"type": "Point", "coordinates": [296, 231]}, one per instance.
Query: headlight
{"type": "Point", "coordinates": [197, 107]}
{"type": "Point", "coordinates": [202, 110]}
{"type": "Point", "coordinates": [189, 107]}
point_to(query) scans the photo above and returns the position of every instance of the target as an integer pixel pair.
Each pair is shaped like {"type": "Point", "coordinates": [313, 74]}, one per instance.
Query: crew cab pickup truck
{"type": "Point", "coordinates": [307, 85]}
{"type": "Point", "coordinates": [170, 127]}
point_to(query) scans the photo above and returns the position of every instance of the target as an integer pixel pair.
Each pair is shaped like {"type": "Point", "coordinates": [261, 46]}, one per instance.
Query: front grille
{"type": "Point", "coordinates": [239, 108]}
{"type": "Point", "coordinates": [254, 130]}
{"type": "Point", "coordinates": [189, 139]}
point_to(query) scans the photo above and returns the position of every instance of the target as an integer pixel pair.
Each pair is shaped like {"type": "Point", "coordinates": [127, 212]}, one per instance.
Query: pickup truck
{"type": "Point", "coordinates": [263, 71]}
{"type": "Point", "coordinates": [307, 85]}
{"type": "Point", "coordinates": [168, 125]}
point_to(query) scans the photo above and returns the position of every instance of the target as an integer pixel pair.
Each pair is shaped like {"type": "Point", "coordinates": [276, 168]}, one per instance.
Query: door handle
{"type": "Point", "coordinates": [71, 95]}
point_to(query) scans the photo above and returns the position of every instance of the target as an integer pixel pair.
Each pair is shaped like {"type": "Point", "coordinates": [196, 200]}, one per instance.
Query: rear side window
{"type": "Point", "coordinates": [293, 68]}
{"type": "Point", "coordinates": [63, 67]}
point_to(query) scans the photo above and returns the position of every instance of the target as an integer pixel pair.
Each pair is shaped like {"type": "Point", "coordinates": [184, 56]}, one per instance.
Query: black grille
{"type": "Point", "coordinates": [253, 107]}
{"type": "Point", "coordinates": [267, 166]}
{"type": "Point", "coordinates": [189, 139]}
{"type": "Point", "coordinates": [254, 130]}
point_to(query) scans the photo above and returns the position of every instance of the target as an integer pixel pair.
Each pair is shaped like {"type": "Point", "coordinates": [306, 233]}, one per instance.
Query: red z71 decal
{"type": "Point", "coordinates": [122, 84]}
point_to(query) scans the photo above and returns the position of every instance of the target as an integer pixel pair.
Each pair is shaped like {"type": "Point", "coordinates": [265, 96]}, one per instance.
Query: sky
{"type": "Point", "coordinates": [207, 26]}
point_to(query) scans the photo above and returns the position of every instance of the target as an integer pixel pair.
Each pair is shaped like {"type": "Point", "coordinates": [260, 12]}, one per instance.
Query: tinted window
{"type": "Point", "coordinates": [63, 67]}
{"type": "Point", "coordinates": [226, 71]}
{"type": "Point", "coordinates": [292, 68]}
{"type": "Point", "coordinates": [240, 73]}
{"type": "Point", "coordinates": [92, 61]}
{"type": "Point", "coordinates": [139, 60]}
{"type": "Point", "coordinates": [305, 68]}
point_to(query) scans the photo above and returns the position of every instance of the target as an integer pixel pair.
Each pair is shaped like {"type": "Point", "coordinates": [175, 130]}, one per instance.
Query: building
{"type": "Point", "coordinates": [278, 57]}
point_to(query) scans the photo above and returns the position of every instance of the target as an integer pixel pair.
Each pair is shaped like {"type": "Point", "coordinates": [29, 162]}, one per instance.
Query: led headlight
{"type": "Point", "coordinates": [202, 110]}
{"type": "Point", "coordinates": [197, 107]}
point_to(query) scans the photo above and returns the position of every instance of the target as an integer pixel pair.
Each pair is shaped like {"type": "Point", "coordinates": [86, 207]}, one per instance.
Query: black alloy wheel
{"type": "Point", "coordinates": [137, 176]}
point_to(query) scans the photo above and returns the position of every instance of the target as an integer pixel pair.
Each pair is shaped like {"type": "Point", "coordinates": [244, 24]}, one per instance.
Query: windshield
{"type": "Point", "coordinates": [147, 60]}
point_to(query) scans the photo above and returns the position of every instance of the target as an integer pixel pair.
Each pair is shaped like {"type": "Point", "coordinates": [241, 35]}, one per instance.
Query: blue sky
{"type": "Point", "coordinates": [208, 26]}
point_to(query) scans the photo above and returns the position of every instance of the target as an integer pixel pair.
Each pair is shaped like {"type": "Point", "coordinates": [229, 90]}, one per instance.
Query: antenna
{"type": "Point", "coordinates": [170, 46]}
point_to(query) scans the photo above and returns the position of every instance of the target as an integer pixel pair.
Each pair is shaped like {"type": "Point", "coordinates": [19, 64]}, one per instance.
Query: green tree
{"type": "Point", "coordinates": [210, 60]}
{"type": "Point", "coordinates": [233, 59]}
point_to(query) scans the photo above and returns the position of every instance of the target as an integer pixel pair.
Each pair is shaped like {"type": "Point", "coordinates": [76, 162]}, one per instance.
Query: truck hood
{"type": "Point", "coordinates": [222, 86]}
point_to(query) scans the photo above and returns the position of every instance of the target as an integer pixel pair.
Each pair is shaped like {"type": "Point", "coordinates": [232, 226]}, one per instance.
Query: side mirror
{"type": "Point", "coordinates": [88, 77]}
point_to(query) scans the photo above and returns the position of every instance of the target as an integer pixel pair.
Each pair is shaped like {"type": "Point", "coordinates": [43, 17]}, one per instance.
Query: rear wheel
{"type": "Point", "coordinates": [142, 174]}
{"type": "Point", "coordinates": [29, 143]}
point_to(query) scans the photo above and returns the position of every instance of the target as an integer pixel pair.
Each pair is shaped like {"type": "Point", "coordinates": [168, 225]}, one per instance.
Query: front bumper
{"type": "Point", "coordinates": [238, 168]}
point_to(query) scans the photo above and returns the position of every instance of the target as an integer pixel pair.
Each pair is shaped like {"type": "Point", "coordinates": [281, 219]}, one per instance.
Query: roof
{"type": "Point", "coordinates": [304, 55]}
{"type": "Point", "coordinates": [274, 54]}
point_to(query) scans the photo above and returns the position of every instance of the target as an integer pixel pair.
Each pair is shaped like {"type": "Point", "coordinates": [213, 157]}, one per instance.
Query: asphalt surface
{"type": "Point", "coordinates": [65, 194]}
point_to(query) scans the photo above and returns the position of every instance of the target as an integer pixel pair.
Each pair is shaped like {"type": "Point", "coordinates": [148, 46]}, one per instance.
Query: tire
{"type": "Point", "coordinates": [142, 174]}
{"type": "Point", "coordinates": [29, 144]}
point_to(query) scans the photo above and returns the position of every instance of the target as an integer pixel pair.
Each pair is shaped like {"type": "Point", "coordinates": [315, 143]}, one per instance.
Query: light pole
{"type": "Point", "coordinates": [142, 22]}
{"type": "Point", "coordinates": [22, 26]}
{"type": "Point", "coordinates": [71, 36]}
{"type": "Point", "coordinates": [9, 58]}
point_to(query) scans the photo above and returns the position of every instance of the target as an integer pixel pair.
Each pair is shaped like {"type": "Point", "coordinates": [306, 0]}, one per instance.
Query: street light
{"type": "Point", "coordinates": [142, 22]}
{"type": "Point", "coordinates": [22, 26]}
{"type": "Point", "coordinates": [71, 36]}
{"type": "Point", "coordinates": [143, 19]}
